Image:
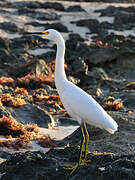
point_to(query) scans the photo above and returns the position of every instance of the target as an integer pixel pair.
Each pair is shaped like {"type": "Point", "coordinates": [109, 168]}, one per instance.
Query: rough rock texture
{"type": "Point", "coordinates": [30, 113]}
{"type": "Point", "coordinates": [103, 67]}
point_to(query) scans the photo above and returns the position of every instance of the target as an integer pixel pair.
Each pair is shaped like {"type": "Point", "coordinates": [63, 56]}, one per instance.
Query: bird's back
{"type": "Point", "coordinates": [82, 106]}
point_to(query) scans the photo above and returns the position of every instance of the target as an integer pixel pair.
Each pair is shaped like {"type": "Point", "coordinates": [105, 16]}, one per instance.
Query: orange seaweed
{"type": "Point", "coordinates": [21, 91]}
{"type": "Point", "coordinates": [37, 79]}
{"type": "Point", "coordinates": [113, 104]}
{"type": "Point", "coordinates": [23, 133]}
{"type": "Point", "coordinates": [9, 126]}
{"type": "Point", "coordinates": [47, 99]}
{"type": "Point", "coordinates": [8, 100]}
{"type": "Point", "coordinates": [100, 44]}
{"type": "Point", "coordinates": [52, 65]}
{"type": "Point", "coordinates": [7, 81]}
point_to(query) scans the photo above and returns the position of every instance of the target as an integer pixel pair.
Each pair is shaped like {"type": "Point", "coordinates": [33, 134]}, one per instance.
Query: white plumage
{"type": "Point", "coordinates": [77, 102]}
{"type": "Point", "coordinates": [81, 106]}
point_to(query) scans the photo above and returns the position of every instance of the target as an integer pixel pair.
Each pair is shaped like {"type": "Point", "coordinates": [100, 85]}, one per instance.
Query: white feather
{"type": "Point", "coordinates": [77, 102]}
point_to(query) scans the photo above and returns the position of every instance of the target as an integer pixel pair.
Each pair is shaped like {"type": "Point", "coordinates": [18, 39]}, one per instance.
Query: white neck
{"type": "Point", "coordinates": [60, 76]}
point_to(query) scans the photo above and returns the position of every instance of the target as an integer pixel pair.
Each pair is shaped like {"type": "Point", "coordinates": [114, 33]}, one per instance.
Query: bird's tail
{"type": "Point", "coordinates": [113, 126]}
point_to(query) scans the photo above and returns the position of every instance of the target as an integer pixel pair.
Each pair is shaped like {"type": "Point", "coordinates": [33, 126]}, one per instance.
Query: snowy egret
{"type": "Point", "coordinates": [80, 105]}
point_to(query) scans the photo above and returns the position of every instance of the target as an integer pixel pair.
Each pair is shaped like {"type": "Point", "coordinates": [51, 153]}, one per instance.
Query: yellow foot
{"type": "Point", "coordinates": [73, 168]}
{"type": "Point", "coordinates": [84, 161]}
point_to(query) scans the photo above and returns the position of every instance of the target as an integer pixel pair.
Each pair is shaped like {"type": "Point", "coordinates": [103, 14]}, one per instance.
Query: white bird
{"type": "Point", "coordinates": [79, 105]}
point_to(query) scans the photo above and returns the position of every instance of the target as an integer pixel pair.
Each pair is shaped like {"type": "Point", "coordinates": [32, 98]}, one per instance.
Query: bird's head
{"type": "Point", "coordinates": [50, 34]}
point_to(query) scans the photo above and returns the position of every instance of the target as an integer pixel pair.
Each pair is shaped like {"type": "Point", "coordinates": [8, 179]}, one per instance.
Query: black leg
{"type": "Point", "coordinates": [84, 139]}
{"type": "Point", "coordinates": [86, 143]}
{"type": "Point", "coordinates": [82, 143]}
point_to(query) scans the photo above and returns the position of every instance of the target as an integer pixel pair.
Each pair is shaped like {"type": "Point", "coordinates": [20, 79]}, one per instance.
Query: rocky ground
{"type": "Point", "coordinates": [100, 58]}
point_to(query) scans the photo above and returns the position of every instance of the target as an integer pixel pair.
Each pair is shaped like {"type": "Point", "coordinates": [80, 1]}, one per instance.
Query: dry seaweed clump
{"type": "Point", "coordinates": [19, 135]}
{"type": "Point", "coordinates": [51, 65]}
{"type": "Point", "coordinates": [16, 99]}
{"type": "Point", "coordinates": [10, 127]}
{"type": "Point", "coordinates": [22, 133]}
{"type": "Point", "coordinates": [113, 104]}
{"type": "Point", "coordinates": [21, 91]}
{"type": "Point", "coordinates": [53, 101]}
{"type": "Point", "coordinates": [47, 99]}
{"type": "Point", "coordinates": [35, 79]}
{"type": "Point", "coordinates": [16, 143]}
{"type": "Point", "coordinates": [9, 100]}
{"type": "Point", "coordinates": [46, 141]}
{"type": "Point", "coordinates": [7, 81]}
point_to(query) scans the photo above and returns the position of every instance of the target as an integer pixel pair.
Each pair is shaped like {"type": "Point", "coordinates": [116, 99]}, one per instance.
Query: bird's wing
{"type": "Point", "coordinates": [82, 106]}
{"type": "Point", "coordinates": [77, 101]}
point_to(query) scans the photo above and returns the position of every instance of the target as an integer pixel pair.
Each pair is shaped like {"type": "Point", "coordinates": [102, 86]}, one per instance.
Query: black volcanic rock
{"type": "Point", "coordinates": [109, 11]}
{"type": "Point", "coordinates": [53, 5]}
{"type": "Point", "coordinates": [123, 17]}
{"type": "Point", "coordinates": [92, 24]}
{"type": "Point", "coordinates": [75, 8]}
{"type": "Point", "coordinates": [38, 165]}
{"type": "Point", "coordinates": [8, 26]}
{"type": "Point", "coordinates": [29, 165]}
{"type": "Point", "coordinates": [38, 15]}
{"type": "Point", "coordinates": [76, 37]}
{"type": "Point", "coordinates": [58, 26]}
{"type": "Point", "coordinates": [5, 43]}
{"type": "Point", "coordinates": [5, 55]}
{"type": "Point", "coordinates": [30, 113]}
{"type": "Point", "coordinates": [106, 62]}
{"type": "Point", "coordinates": [24, 4]}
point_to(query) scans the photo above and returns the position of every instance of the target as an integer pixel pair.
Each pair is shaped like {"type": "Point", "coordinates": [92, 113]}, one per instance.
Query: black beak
{"type": "Point", "coordinates": [28, 33]}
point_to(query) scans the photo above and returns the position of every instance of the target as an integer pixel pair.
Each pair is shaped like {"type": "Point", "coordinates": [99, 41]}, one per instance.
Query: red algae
{"type": "Point", "coordinates": [53, 100]}
{"type": "Point", "coordinates": [16, 144]}
{"type": "Point", "coordinates": [37, 79]}
{"type": "Point", "coordinates": [52, 65]}
{"type": "Point", "coordinates": [29, 63]}
{"type": "Point", "coordinates": [46, 142]}
{"type": "Point", "coordinates": [22, 133]}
